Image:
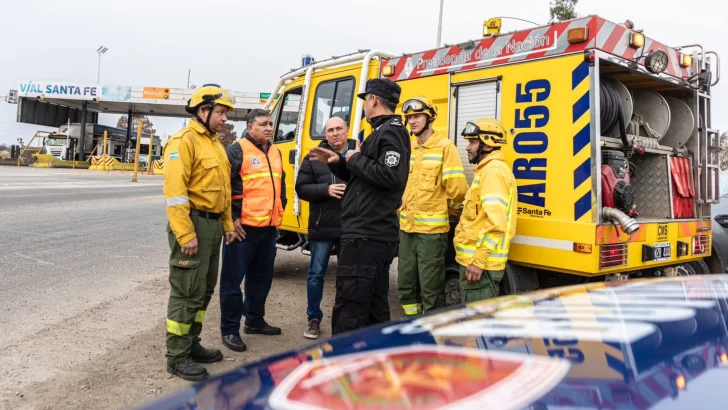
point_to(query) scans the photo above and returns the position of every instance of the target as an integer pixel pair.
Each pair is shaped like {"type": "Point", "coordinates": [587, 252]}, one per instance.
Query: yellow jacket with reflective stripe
{"type": "Point", "coordinates": [436, 175]}
{"type": "Point", "coordinates": [488, 222]}
{"type": "Point", "coordinates": [196, 176]}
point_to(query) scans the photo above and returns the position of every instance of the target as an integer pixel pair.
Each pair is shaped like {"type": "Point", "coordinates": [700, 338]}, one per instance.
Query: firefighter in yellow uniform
{"type": "Point", "coordinates": [197, 196]}
{"type": "Point", "coordinates": [436, 176]}
{"type": "Point", "coordinates": [488, 221]}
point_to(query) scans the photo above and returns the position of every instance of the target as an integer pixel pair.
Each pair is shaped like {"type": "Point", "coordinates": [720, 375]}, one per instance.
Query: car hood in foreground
{"type": "Point", "coordinates": [643, 344]}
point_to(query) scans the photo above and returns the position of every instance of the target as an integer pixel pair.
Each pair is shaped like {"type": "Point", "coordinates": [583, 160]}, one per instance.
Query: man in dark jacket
{"type": "Point", "coordinates": [323, 191]}
{"type": "Point", "coordinates": [376, 173]}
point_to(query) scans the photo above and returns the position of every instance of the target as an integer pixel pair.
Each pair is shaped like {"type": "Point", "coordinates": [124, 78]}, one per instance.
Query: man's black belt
{"type": "Point", "coordinates": [203, 214]}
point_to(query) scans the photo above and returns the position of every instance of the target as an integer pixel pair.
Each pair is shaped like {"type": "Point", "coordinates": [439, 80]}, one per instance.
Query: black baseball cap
{"type": "Point", "coordinates": [383, 88]}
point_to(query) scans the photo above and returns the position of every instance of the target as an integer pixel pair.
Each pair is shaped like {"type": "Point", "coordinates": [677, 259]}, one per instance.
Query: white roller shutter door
{"type": "Point", "coordinates": [473, 101]}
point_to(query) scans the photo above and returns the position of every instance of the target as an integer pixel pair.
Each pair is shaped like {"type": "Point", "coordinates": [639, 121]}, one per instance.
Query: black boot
{"type": "Point", "coordinates": [234, 342]}
{"type": "Point", "coordinates": [188, 370]}
{"type": "Point", "coordinates": [201, 355]}
{"type": "Point", "coordinates": [266, 329]}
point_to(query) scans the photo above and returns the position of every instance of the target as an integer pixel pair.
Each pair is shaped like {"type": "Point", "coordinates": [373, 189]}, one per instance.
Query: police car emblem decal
{"type": "Point", "coordinates": [255, 162]}
{"type": "Point", "coordinates": [391, 159]}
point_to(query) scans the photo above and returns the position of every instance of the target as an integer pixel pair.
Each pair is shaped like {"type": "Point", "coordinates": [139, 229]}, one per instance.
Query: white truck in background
{"type": "Point", "coordinates": [64, 144]}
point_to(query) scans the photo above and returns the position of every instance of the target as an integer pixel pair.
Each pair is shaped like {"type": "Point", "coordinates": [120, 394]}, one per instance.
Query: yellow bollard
{"type": "Point", "coordinates": [136, 152]}
{"type": "Point", "coordinates": [106, 134]}
{"type": "Point", "coordinates": [150, 153]}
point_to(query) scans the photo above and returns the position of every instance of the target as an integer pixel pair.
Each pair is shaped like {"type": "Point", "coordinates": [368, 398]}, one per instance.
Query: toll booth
{"type": "Point", "coordinates": [53, 104]}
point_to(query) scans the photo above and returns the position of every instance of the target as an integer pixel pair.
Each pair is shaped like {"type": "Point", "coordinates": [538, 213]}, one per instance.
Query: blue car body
{"type": "Point", "coordinates": [642, 344]}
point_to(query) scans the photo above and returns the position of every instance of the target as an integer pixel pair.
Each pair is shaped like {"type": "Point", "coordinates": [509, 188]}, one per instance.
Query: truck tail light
{"type": "Point", "coordinates": [701, 244]}
{"type": "Point", "coordinates": [613, 255]}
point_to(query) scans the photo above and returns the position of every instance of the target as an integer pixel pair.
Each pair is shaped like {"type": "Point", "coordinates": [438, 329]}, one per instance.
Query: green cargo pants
{"type": "Point", "coordinates": [192, 280]}
{"type": "Point", "coordinates": [421, 277]}
{"type": "Point", "coordinates": [485, 288]}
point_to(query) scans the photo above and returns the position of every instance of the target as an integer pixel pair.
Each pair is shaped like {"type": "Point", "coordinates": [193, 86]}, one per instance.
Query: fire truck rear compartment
{"type": "Point", "coordinates": [652, 180]}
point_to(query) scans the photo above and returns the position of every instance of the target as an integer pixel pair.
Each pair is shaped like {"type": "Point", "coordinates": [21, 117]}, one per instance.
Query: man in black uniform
{"type": "Point", "coordinates": [376, 174]}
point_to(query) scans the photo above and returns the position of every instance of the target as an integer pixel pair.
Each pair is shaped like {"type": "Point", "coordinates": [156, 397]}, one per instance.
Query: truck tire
{"type": "Point", "coordinates": [698, 267]}
{"type": "Point", "coordinates": [452, 285]}
{"type": "Point", "coordinates": [518, 279]}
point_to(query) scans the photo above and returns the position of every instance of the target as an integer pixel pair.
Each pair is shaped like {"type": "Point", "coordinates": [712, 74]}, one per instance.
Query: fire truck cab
{"type": "Point", "coordinates": [610, 141]}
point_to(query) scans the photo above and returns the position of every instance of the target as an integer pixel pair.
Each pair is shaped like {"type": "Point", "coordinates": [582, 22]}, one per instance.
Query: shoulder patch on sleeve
{"type": "Point", "coordinates": [174, 155]}
{"type": "Point", "coordinates": [391, 158]}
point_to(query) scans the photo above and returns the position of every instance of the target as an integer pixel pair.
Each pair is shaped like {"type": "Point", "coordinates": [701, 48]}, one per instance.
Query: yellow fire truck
{"type": "Point", "coordinates": [610, 141]}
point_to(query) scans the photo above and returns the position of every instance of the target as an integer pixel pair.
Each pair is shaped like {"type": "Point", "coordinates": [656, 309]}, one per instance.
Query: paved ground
{"type": "Point", "coordinates": [83, 267]}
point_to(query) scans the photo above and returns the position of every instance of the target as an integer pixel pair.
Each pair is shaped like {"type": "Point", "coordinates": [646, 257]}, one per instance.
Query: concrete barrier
{"type": "Point", "coordinates": [99, 163]}
{"type": "Point", "coordinates": [49, 161]}
{"type": "Point", "coordinates": [158, 167]}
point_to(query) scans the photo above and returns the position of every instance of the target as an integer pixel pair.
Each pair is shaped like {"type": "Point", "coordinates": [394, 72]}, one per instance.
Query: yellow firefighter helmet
{"type": "Point", "coordinates": [210, 94]}
{"type": "Point", "coordinates": [420, 105]}
{"type": "Point", "coordinates": [489, 130]}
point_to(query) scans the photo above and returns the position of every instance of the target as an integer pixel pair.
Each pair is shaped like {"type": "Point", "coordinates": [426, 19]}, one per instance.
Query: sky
{"type": "Point", "coordinates": [246, 45]}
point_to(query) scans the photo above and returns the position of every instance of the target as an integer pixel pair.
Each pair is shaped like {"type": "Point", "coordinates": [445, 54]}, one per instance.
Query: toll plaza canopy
{"type": "Point", "coordinates": [55, 103]}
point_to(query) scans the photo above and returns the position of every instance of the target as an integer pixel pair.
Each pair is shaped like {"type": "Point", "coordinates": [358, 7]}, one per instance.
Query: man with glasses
{"type": "Point", "coordinates": [436, 178]}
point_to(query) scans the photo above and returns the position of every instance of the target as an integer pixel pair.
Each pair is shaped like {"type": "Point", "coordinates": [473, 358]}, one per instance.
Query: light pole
{"type": "Point", "coordinates": [101, 50]}
{"type": "Point", "coordinates": [189, 87]}
{"type": "Point", "coordinates": [439, 25]}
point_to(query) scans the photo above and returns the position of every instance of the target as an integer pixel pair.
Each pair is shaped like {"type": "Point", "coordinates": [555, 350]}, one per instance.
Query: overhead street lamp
{"type": "Point", "coordinates": [439, 25]}
{"type": "Point", "coordinates": [189, 87]}
{"type": "Point", "coordinates": [101, 50]}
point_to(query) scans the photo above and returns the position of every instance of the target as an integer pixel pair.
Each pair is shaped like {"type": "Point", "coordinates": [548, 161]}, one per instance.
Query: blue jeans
{"type": "Point", "coordinates": [320, 254]}
{"type": "Point", "coordinates": [253, 260]}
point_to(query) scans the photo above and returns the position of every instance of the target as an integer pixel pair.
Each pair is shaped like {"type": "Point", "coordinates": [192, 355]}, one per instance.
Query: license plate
{"type": "Point", "coordinates": [662, 252]}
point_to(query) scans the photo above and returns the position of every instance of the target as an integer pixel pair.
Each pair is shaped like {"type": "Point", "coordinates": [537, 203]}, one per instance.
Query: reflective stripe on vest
{"type": "Point", "coordinates": [498, 249]}
{"type": "Point", "coordinates": [261, 175]}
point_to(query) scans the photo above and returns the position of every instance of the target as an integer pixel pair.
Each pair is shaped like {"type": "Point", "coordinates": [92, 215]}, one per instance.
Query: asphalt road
{"type": "Point", "coordinates": [83, 294]}
{"type": "Point", "coordinates": [68, 239]}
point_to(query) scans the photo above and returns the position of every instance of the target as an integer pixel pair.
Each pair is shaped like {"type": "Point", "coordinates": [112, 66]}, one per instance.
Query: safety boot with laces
{"type": "Point", "coordinates": [201, 355]}
{"type": "Point", "coordinates": [188, 370]}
